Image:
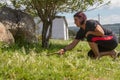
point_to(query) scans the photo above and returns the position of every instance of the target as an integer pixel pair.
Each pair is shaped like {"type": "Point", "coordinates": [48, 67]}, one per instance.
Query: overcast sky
{"type": "Point", "coordinates": [109, 14]}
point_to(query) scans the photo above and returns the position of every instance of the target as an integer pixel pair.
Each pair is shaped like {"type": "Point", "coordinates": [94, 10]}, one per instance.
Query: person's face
{"type": "Point", "coordinates": [78, 21]}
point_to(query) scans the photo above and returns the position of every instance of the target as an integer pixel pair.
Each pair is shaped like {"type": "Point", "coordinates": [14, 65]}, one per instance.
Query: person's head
{"type": "Point", "coordinates": [79, 18]}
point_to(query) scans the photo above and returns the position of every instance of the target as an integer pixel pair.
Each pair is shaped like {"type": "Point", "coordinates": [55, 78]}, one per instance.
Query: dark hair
{"type": "Point", "coordinates": [81, 14]}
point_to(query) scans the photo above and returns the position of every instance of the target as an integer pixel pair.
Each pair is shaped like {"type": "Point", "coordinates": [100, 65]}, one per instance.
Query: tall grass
{"type": "Point", "coordinates": [30, 62]}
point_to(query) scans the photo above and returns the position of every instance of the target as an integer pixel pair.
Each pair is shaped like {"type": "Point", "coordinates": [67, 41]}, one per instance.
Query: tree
{"type": "Point", "coordinates": [48, 9]}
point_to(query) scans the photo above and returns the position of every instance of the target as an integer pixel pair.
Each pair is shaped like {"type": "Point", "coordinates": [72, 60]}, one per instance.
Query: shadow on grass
{"type": "Point", "coordinates": [27, 47]}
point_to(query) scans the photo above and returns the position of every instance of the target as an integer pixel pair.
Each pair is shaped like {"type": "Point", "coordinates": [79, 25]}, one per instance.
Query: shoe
{"type": "Point", "coordinates": [114, 54]}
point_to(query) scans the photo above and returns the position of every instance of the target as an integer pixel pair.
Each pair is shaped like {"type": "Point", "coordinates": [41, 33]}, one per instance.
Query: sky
{"type": "Point", "coordinates": [109, 14]}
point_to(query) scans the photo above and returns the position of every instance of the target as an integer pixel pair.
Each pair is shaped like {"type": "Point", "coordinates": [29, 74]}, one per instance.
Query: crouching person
{"type": "Point", "coordinates": [101, 41]}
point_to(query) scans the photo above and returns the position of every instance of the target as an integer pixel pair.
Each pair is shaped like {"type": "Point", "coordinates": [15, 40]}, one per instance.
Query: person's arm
{"type": "Point", "coordinates": [69, 47]}
{"type": "Point", "coordinates": [97, 32]}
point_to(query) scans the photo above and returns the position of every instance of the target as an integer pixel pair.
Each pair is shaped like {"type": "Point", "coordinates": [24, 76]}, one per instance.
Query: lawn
{"type": "Point", "coordinates": [30, 62]}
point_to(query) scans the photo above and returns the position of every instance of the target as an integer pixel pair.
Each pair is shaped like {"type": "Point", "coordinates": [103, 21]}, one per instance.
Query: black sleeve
{"type": "Point", "coordinates": [91, 25]}
{"type": "Point", "coordinates": [80, 34]}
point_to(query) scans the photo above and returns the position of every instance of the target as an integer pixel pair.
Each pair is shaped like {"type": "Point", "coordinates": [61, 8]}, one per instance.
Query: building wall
{"type": "Point", "coordinates": [59, 29]}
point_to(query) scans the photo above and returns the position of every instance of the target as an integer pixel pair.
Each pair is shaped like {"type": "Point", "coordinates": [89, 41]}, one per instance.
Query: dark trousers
{"type": "Point", "coordinates": [106, 43]}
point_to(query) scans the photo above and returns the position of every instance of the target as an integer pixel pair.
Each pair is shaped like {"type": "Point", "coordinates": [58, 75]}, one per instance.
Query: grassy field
{"type": "Point", "coordinates": [30, 62]}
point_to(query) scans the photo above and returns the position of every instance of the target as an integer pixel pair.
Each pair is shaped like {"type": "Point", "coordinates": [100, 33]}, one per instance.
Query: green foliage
{"type": "Point", "coordinates": [29, 62]}
{"type": "Point", "coordinates": [2, 4]}
{"type": "Point", "coordinates": [72, 34]}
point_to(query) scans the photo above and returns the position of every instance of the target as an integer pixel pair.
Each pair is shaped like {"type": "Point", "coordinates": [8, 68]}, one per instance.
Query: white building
{"type": "Point", "coordinates": [59, 28]}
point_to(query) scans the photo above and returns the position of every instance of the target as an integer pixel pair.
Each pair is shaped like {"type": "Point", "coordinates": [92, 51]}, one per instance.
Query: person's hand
{"type": "Point", "coordinates": [61, 51]}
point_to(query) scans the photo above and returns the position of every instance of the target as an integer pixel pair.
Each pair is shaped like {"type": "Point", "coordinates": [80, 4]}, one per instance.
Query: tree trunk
{"type": "Point", "coordinates": [50, 31]}
{"type": "Point", "coordinates": [46, 33]}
